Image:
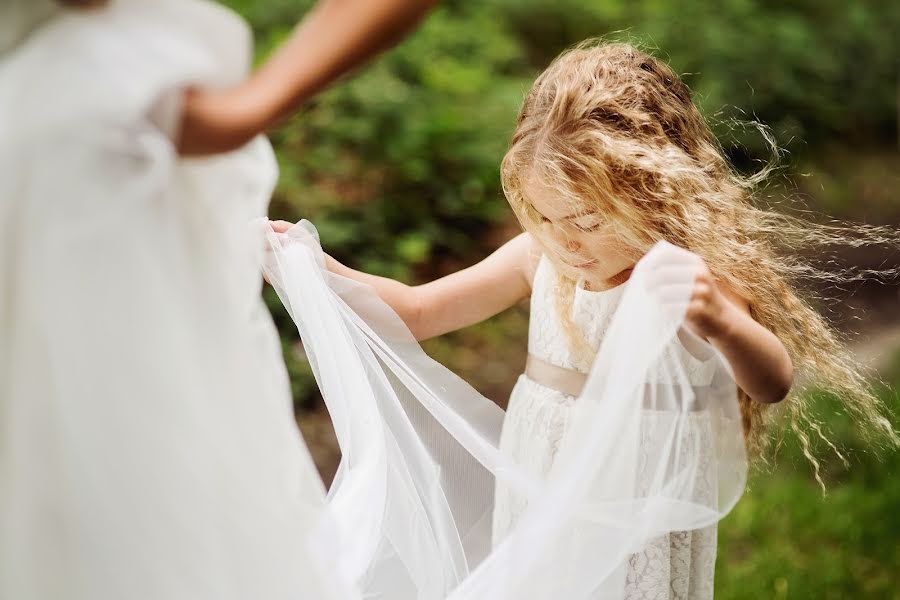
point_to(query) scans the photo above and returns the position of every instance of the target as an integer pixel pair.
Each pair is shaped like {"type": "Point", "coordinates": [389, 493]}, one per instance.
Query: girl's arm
{"type": "Point", "coordinates": [334, 37]}
{"type": "Point", "coordinates": [761, 364]}
{"type": "Point", "coordinates": [459, 299]}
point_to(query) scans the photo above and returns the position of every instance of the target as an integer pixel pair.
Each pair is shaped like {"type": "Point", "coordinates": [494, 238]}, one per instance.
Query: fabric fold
{"type": "Point", "coordinates": [649, 451]}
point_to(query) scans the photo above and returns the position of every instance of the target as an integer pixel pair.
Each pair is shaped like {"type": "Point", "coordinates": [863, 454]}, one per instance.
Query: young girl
{"type": "Point", "coordinates": [610, 156]}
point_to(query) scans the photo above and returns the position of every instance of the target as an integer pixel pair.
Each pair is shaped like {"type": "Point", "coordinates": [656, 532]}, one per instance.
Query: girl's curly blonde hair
{"type": "Point", "coordinates": [614, 131]}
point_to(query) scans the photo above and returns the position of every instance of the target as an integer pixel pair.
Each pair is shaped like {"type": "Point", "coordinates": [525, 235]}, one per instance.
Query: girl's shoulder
{"type": "Point", "coordinates": [529, 255]}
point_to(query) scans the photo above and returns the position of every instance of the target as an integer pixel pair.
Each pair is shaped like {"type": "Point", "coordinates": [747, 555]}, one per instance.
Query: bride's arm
{"type": "Point", "coordinates": [459, 299]}
{"type": "Point", "coordinates": [335, 37]}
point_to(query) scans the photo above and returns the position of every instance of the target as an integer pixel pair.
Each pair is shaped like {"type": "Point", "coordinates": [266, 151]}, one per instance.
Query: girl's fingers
{"type": "Point", "coordinates": [669, 255]}
{"type": "Point", "coordinates": [280, 226]}
{"type": "Point", "coordinates": [674, 294]}
{"type": "Point", "coordinates": [681, 275]}
{"type": "Point", "coordinates": [674, 274]}
{"type": "Point", "coordinates": [675, 260]}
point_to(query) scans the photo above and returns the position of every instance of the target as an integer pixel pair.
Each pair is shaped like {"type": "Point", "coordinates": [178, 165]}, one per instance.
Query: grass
{"type": "Point", "coordinates": [786, 540]}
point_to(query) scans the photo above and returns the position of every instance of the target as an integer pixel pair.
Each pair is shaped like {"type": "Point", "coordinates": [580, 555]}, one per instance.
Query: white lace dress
{"type": "Point", "coordinates": [674, 567]}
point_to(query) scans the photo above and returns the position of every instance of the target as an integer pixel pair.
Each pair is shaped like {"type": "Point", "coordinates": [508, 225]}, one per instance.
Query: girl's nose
{"type": "Point", "coordinates": [572, 245]}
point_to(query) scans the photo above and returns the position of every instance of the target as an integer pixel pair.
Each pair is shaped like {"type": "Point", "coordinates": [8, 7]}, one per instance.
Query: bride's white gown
{"type": "Point", "coordinates": [147, 443]}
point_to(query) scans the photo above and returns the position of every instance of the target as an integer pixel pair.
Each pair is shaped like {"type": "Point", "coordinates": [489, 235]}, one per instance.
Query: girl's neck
{"type": "Point", "coordinates": [608, 284]}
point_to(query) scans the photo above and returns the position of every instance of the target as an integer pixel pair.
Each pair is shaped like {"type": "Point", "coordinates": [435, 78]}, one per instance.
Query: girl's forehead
{"type": "Point", "coordinates": [549, 201]}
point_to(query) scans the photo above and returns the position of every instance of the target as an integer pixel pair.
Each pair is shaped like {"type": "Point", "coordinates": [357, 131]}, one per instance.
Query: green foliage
{"type": "Point", "coordinates": [410, 147]}
{"type": "Point", "coordinates": [398, 165]}
{"type": "Point", "coordinates": [811, 70]}
{"type": "Point", "coordinates": [785, 540]}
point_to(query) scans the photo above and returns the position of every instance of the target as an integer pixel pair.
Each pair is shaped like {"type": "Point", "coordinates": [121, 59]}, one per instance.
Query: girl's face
{"type": "Point", "coordinates": [585, 246]}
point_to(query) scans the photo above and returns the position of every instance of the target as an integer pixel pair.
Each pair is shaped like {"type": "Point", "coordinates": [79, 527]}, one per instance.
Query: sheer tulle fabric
{"type": "Point", "coordinates": [147, 442]}
{"type": "Point", "coordinates": [414, 491]}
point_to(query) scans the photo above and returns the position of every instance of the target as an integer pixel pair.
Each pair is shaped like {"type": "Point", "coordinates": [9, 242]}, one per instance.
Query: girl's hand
{"type": "Point", "coordinates": [708, 308]}
{"type": "Point", "coordinates": [280, 226]}
{"type": "Point", "coordinates": [305, 238]}
{"type": "Point", "coordinates": [683, 283]}
{"type": "Point", "coordinates": [302, 237]}
{"type": "Point", "coordinates": [680, 276]}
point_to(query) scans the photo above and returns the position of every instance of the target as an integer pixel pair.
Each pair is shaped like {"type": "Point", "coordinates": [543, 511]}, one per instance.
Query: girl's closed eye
{"type": "Point", "coordinates": [588, 224]}
{"type": "Point", "coordinates": [585, 223]}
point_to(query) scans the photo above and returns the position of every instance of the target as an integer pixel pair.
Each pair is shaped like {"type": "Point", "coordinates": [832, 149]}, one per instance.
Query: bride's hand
{"type": "Point", "coordinates": [214, 121]}
{"type": "Point", "coordinates": [335, 37]}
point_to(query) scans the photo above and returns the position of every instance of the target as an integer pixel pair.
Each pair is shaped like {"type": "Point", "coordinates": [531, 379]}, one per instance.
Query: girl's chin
{"type": "Point", "coordinates": [594, 279]}
{"type": "Point", "coordinates": [590, 272]}
{"type": "Point", "coordinates": [586, 275]}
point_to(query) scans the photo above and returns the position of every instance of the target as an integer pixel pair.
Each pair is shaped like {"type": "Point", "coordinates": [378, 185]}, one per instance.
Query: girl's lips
{"type": "Point", "coordinates": [586, 265]}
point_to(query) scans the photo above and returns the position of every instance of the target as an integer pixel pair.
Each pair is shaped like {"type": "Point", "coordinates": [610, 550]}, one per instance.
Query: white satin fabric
{"type": "Point", "coordinates": [421, 456]}
{"type": "Point", "coordinates": [147, 442]}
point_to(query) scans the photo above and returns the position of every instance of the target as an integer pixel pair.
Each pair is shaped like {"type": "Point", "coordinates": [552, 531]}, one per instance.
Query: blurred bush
{"type": "Point", "coordinates": [398, 165]}
{"type": "Point", "coordinates": [785, 539]}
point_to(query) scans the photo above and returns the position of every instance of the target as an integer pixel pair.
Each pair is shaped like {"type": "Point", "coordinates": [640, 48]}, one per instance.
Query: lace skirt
{"type": "Point", "coordinates": [678, 566]}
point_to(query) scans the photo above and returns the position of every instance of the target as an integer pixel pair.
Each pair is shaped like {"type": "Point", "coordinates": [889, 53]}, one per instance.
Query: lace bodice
{"type": "Point", "coordinates": [677, 566]}
{"type": "Point", "coordinates": [591, 312]}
